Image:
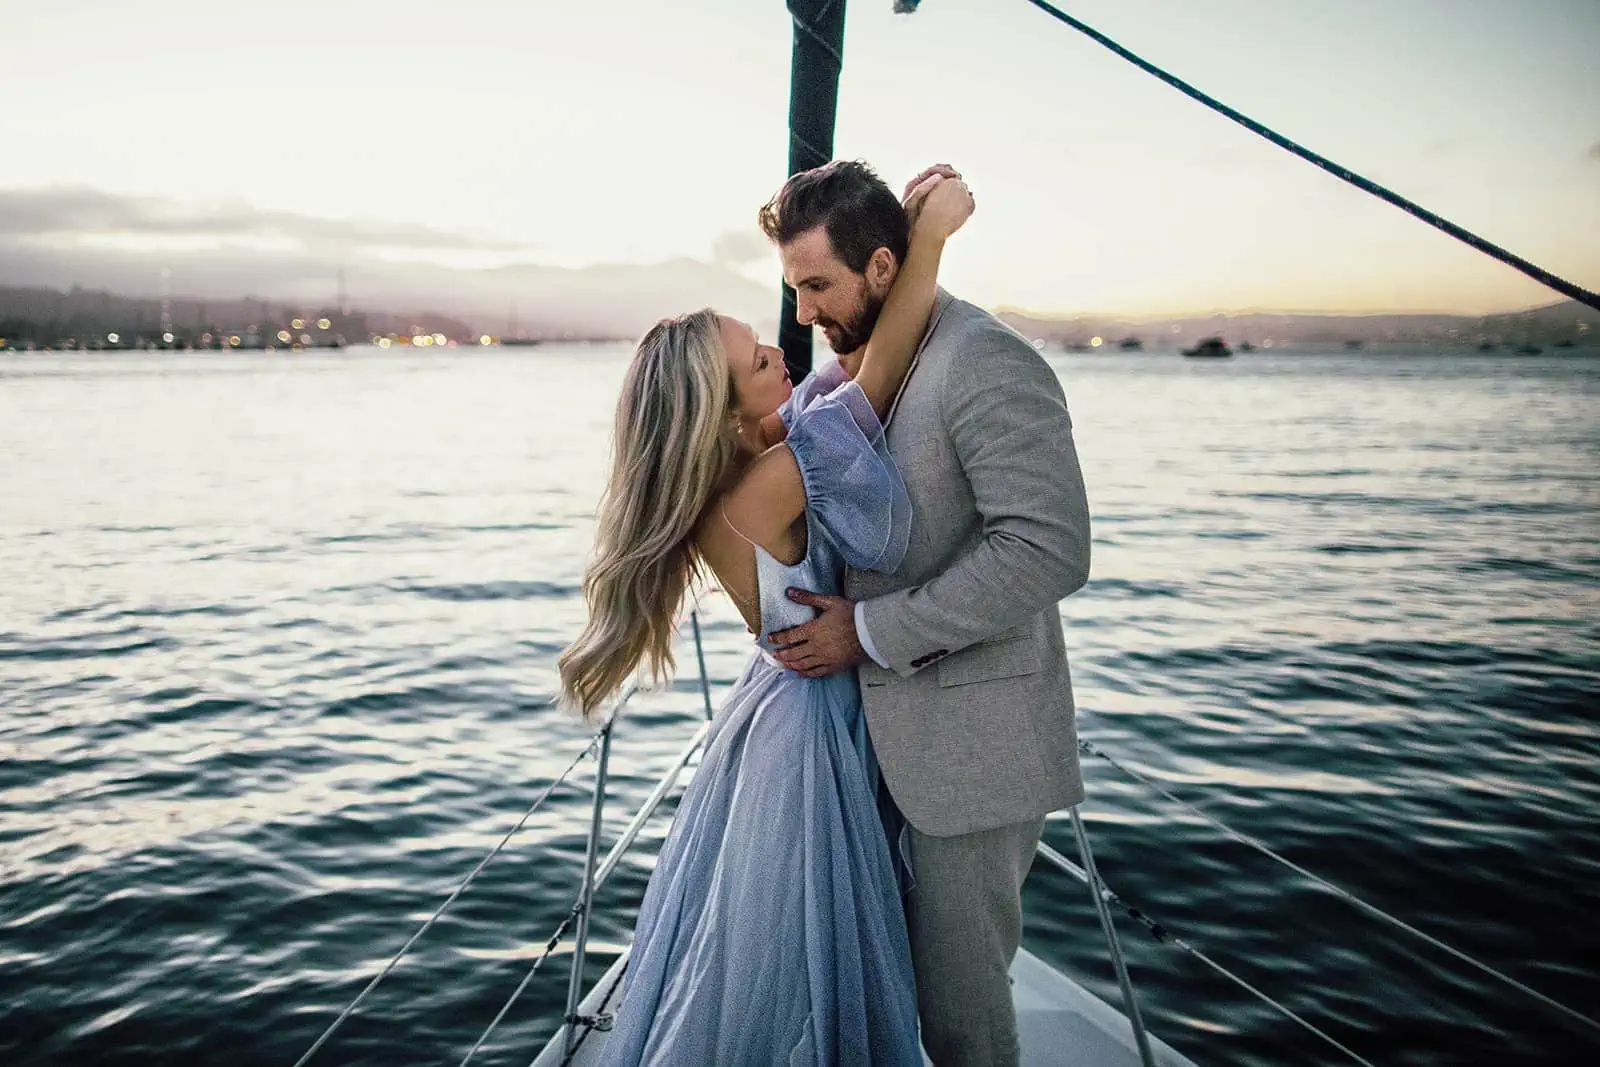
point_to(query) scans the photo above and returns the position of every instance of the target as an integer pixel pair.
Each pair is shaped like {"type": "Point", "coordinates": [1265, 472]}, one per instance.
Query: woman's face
{"type": "Point", "coordinates": [760, 379]}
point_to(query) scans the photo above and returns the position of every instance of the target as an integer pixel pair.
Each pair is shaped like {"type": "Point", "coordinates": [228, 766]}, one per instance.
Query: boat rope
{"type": "Point", "coordinates": [622, 701]}
{"type": "Point", "coordinates": [360, 997]}
{"type": "Point", "coordinates": [623, 843]}
{"type": "Point", "coordinates": [549, 947]}
{"type": "Point", "coordinates": [1532, 270]}
{"type": "Point", "coordinates": [1166, 937]}
{"type": "Point", "coordinates": [1339, 891]}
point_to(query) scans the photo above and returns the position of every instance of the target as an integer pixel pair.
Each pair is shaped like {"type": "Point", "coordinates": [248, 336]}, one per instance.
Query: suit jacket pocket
{"type": "Point", "coordinates": [993, 659]}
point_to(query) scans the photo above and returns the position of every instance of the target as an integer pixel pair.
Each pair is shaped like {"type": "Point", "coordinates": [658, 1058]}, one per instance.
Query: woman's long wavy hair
{"type": "Point", "coordinates": [673, 446]}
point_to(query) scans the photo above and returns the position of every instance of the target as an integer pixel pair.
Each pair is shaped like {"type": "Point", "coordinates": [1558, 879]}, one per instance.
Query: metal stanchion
{"type": "Point", "coordinates": [1121, 965]}
{"type": "Point", "coordinates": [586, 899]}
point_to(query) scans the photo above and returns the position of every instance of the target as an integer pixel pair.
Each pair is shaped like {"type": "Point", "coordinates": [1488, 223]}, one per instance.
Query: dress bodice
{"type": "Point", "coordinates": [857, 511]}
{"type": "Point", "coordinates": [821, 571]}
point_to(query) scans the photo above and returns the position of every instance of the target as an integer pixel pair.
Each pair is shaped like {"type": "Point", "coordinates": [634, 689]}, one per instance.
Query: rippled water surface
{"type": "Point", "coordinates": [277, 649]}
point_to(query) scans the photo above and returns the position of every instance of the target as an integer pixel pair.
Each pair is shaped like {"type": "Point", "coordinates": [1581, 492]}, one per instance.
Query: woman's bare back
{"type": "Point", "coordinates": [731, 556]}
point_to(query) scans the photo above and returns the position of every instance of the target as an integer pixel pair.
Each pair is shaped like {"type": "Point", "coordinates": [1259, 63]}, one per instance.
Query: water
{"type": "Point", "coordinates": [277, 645]}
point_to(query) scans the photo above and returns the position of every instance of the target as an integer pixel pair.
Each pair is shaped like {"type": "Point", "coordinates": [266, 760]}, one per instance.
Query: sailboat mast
{"type": "Point", "coordinates": [813, 104]}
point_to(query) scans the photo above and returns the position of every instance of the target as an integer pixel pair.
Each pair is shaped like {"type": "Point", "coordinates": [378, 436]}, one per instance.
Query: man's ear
{"type": "Point", "coordinates": [881, 269]}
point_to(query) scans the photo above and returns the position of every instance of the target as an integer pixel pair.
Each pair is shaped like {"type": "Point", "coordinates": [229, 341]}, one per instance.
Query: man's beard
{"type": "Point", "coordinates": [843, 338]}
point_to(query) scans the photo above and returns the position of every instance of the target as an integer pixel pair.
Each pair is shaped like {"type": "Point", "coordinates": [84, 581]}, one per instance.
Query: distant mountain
{"type": "Point", "coordinates": [607, 302]}
{"type": "Point", "coordinates": [1566, 321]}
{"type": "Point", "coordinates": [70, 249]}
{"type": "Point", "coordinates": [619, 302]}
{"type": "Point", "coordinates": [215, 254]}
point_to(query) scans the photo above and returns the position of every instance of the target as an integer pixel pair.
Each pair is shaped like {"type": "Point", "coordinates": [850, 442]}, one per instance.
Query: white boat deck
{"type": "Point", "coordinates": [1061, 1024]}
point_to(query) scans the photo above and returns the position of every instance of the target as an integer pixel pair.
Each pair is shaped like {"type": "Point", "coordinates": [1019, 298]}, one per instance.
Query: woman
{"type": "Point", "coordinates": [772, 929]}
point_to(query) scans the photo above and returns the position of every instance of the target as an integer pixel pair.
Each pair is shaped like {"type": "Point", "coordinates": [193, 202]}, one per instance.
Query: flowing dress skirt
{"type": "Point", "coordinates": [772, 931]}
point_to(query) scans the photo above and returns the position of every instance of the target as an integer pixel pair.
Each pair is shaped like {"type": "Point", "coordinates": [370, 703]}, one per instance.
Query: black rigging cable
{"type": "Point", "coordinates": [1532, 270]}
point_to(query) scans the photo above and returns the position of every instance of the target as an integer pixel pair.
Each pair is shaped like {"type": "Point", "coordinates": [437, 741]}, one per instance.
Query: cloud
{"type": "Point", "coordinates": [738, 248]}
{"type": "Point", "coordinates": [1594, 151]}
{"type": "Point", "coordinates": [73, 212]}
{"type": "Point", "coordinates": [46, 239]}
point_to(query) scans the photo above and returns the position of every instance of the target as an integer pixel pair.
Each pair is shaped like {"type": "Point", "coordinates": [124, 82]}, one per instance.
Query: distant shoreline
{"type": "Point", "coordinates": [81, 319]}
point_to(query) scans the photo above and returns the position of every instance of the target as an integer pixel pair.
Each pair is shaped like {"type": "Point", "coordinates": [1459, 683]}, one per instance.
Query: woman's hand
{"type": "Point", "coordinates": [909, 198]}
{"type": "Point", "coordinates": [918, 188]}
{"type": "Point", "coordinates": [942, 206]}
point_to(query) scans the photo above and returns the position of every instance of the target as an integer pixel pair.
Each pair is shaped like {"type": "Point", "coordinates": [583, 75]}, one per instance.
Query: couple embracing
{"type": "Point", "coordinates": [896, 530]}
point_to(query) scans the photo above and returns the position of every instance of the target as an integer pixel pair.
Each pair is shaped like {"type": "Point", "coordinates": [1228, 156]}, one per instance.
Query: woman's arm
{"type": "Point", "coordinates": [773, 429]}
{"type": "Point", "coordinates": [944, 206]}
{"type": "Point", "coordinates": [770, 494]}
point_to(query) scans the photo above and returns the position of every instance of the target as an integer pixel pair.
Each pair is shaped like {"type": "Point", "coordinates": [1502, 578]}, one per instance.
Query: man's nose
{"type": "Point", "coordinates": [804, 313]}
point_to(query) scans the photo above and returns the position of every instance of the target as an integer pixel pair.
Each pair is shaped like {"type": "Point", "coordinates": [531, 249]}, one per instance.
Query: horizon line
{"type": "Point", "coordinates": [1033, 313]}
{"type": "Point", "coordinates": [1144, 317]}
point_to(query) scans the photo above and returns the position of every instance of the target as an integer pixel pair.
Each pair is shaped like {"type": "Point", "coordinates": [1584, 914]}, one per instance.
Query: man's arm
{"type": "Point", "coordinates": [1008, 421]}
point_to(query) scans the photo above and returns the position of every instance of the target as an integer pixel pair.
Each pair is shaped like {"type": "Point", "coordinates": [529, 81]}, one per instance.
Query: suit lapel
{"type": "Point", "coordinates": [940, 302]}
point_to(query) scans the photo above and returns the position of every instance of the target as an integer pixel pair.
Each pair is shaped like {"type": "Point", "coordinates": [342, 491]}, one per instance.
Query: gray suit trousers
{"type": "Point", "coordinates": [965, 915]}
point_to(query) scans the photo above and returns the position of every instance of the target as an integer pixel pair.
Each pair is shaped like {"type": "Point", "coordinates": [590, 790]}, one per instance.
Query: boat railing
{"type": "Point", "coordinates": [576, 1027]}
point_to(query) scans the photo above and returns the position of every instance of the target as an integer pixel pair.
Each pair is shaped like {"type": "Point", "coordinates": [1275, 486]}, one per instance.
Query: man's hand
{"type": "Point", "coordinates": [827, 644]}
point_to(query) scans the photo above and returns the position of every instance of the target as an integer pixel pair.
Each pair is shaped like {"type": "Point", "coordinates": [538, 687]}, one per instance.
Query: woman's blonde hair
{"type": "Point", "coordinates": [673, 446]}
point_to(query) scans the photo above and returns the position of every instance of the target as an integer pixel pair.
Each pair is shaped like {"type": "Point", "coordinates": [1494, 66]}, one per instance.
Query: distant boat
{"type": "Point", "coordinates": [1352, 345]}
{"type": "Point", "coordinates": [509, 342]}
{"type": "Point", "coordinates": [1528, 350]}
{"type": "Point", "coordinates": [1210, 348]}
{"type": "Point", "coordinates": [1246, 346]}
{"type": "Point", "coordinates": [1565, 344]}
{"type": "Point", "coordinates": [1076, 346]}
{"type": "Point", "coordinates": [1131, 344]}
{"type": "Point", "coordinates": [1486, 346]}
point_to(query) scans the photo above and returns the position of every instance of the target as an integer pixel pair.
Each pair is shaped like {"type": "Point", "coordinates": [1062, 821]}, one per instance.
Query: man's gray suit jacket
{"type": "Point", "coordinates": [973, 721]}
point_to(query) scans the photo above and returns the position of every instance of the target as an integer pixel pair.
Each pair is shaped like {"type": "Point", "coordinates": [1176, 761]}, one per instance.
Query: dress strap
{"type": "Point", "coordinates": [722, 506]}
{"type": "Point", "coordinates": [746, 607]}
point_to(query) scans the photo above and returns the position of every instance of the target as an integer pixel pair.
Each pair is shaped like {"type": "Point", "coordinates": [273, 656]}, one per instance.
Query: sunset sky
{"type": "Point", "coordinates": [478, 134]}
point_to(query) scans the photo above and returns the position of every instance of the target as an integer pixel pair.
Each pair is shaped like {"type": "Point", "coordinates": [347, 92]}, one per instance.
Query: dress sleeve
{"type": "Point", "coordinates": [853, 488]}
{"type": "Point", "coordinates": [813, 387]}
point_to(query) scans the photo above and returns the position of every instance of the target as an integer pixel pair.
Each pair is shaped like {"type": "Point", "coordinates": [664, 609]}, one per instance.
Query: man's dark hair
{"type": "Point", "coordinates": [861, 213]}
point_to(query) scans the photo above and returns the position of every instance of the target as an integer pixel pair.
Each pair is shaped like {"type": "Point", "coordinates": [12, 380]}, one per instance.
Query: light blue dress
{"type": "Point", "coordinates": [772, 930]}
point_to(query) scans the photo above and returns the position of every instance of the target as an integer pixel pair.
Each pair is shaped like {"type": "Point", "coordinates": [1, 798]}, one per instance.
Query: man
{"type": "Point", "coordinates": [963, 668]}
